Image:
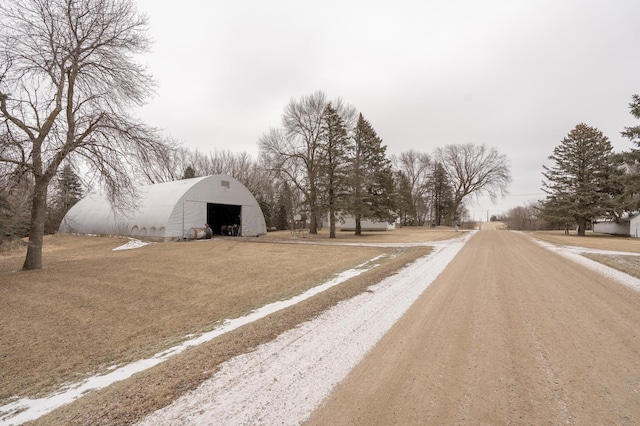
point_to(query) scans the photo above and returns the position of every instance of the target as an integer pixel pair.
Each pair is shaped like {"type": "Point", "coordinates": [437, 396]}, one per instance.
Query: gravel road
{"type": "Point", "coordinates": [509, 333]}
{"type": "Point", "coordinates": [498, 331]}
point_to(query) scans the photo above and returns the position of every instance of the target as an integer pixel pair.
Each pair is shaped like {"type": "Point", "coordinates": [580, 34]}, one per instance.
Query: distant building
{"type": "Point", "coordinates": [627, 226]}
{"type": "Point", "coordinates": [348, 223]}
{"type": "Point", "coordinates": [171, 210]}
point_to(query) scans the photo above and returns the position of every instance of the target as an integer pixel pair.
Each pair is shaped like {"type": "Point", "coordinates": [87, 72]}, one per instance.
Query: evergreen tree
{"type": "Point", "coordinates": [372, 184]}
{"type": "Point", "coordinates": [441, 194]}
{"type": "Point", "coordinates": [68, 191]}
{"type": "Point", "coordinates": [631, 162]}
{"type": "Point", "coordinates": [633, 133]}
{"type": "Point", "coordinates": [335, 146]}
{"type": "Point", "coordinates": [267, 212]}
{"type": "Point", "coordinates": [189, 173]}
{"type": "Point", "coordinates": [288, 206]}
{"type": "Point", "coordinates": [69, 187]}
{"type": "Point", "coordinates": [404, 200]}
{"type": "Point", "coordinates": [282, 221]}
{"type": "Point", "coordinates": [580, 181]}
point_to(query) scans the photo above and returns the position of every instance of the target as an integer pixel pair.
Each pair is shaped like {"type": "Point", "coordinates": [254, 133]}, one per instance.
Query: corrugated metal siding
{"type": "Point", "coordinates": [166, 210]}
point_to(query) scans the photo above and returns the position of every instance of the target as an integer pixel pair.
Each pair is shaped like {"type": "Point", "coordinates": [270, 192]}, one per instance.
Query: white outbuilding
{"type": "Point", "coordinates": [348, 223]}
{"type": "Point", "coordinates": [171, 210]}
{"type": "Point", "coordinates": [627, 226]}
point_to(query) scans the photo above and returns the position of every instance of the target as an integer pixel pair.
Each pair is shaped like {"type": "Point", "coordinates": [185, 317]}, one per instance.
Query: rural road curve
{"type": "Point", "coordinates": [509, 333]}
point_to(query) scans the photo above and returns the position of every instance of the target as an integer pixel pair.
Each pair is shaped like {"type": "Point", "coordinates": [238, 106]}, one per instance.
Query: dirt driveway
{"type": "Point", "coordinates": [509, 333]}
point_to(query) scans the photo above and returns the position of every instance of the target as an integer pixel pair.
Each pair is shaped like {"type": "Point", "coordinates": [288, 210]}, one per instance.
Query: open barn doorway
{"type": "Point", "coordinates": [224, 219]}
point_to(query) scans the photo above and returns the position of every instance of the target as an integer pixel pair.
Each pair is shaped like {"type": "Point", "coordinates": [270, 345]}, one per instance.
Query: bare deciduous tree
{"type": "Point", "coordinates": [295, 151]}
{"type": "Point", "coordinates": [415, 168]}
{"type": "Point", "coordinates": [524, 218]}
{"type": "Point", "coordinates": [474, 170]}
{"type": "Point", "coordinates": [68, 79]}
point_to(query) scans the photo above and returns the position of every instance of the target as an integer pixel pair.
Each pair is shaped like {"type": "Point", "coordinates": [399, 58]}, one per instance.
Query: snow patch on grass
{"type": "Point", "coordinates": [27, 409]}
{"type": "Point", "coordinates": [132, 244]}
{"type": "Point", "coordinates": [576, 254]}
{"type": "Point", "coordinates": [283, 381]}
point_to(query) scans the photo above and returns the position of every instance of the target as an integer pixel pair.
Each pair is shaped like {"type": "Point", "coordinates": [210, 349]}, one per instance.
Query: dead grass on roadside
{"type": "Point", "coordinates": [129, 401]}
{"type": "Point", "coordinates": [591, 240]}
{"type": "Point", "coordinates": [90, 308]}
{"type": "Point", "coordinates": [405, 234]}
{"type": "Point", "coordinates": [627, 264]}
{"type": "Point", "coordinates": [624, 263]}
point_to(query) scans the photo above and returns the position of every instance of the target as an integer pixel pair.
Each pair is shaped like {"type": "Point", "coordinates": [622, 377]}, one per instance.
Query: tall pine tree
{"type": "Point", "coordinates": [441, 194]}
{"type": "Point", "coordinates": [335, 147]}
{"type": "Point", "coordinates": [631, 161]}
{"type": "Point", "coordinates": [580, 180]}
{"type": "Point", "coordinates": [404, 199]}
{"type": "Point", "coordinates": [68, 191]}
{"type": "Point", "coordinates": [372, 184]}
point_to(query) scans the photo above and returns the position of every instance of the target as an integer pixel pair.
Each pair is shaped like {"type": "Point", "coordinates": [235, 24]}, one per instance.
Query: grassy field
{"type": "Point", "coordinates": [91, 308]}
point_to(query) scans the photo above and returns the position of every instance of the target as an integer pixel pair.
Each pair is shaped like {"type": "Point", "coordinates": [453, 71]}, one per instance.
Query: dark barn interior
{"type": "Point", "coordinates": [224, 219]}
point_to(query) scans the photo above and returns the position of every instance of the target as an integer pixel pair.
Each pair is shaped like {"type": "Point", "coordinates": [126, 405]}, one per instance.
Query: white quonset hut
{"type": "Point", "coordinates": [169, 210]}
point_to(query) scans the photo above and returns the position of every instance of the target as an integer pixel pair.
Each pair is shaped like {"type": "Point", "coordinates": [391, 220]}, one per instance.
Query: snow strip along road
{"type": "Point", "coordinates": [576, 254]}
{"type": "Point", "coordinates": [26, 409]}
{"type": "Point", "coordinates": [283, 381]}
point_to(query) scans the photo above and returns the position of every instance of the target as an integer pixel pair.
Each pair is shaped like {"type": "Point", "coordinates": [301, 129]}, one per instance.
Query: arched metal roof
{"type": "Point", "coordinates": [166, 210]}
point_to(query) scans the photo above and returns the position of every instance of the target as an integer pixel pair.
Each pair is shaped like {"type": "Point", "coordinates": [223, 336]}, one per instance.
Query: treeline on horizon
{"type": "Point", "coordinates": [324, 160]}
{"type": "Point", "coordinates": [327, 158]}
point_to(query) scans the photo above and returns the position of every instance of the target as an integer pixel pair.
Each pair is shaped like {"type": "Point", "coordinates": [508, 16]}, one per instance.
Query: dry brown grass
{"type": "Point", "coordinates": [627, 264]}
{"type": "Point", "coordinates": [125, 402]}
{"type": "Point", "coordinates": [90, 307]}
{"type": "Point", "coordinates": [401, 235]}
{"type": "Point", "coordinates": [591, 240]}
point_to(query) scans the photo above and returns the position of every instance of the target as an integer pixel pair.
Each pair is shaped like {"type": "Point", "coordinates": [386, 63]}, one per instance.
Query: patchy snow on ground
{"type": "Point", "coordinates": [27, 409]}
{"type": "Point", "coordinates": [576, 254]}
{"type": "Point", "coordinates": [283, 381]}
{"type": "Point", "coordinates": [132, 244]}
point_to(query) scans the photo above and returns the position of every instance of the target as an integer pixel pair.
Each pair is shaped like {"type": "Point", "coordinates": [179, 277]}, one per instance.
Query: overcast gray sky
{"type": "Point", "coordinates": [514, 75]}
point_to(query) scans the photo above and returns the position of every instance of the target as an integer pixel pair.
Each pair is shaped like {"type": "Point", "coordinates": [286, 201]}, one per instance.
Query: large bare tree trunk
{"type": "Point", "coordinates": [449, 221]}
{"type": "Point", "coordinates": [77, 57]}
{"type": "Point", "coordinates": [33, 260]}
